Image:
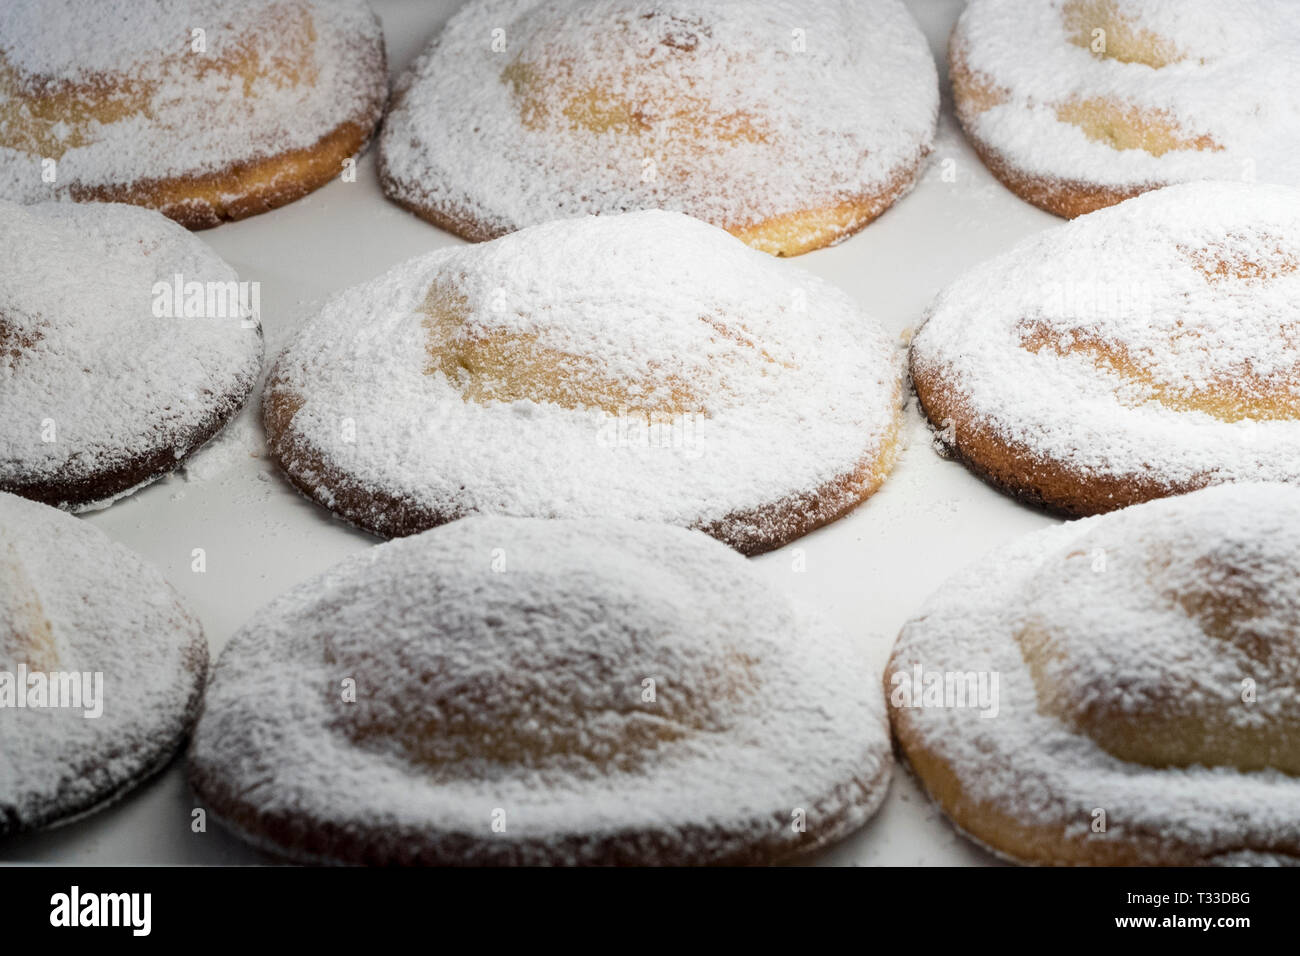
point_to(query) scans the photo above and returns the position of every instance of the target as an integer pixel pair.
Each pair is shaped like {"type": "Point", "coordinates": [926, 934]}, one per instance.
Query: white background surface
{"type": "Point", "coordinates": [871, 570]}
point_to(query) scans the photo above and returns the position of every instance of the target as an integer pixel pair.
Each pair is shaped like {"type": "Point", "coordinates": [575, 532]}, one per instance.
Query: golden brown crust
{"type": "Point", "coordinates": [793, 234]}
{"type": "Point", "coordinates": [238, 190]}
{"type": "Point", "coordinates": [1021, 842]}
{"type": "Point", "coordinates": [700, 126]}
{"type": "Point", "coordinates": [750, 531]}
{"type": "Point", "coordinates": [1028, 477]}
{"type": "Point", "coordinates": [1003, 833]}
{"type": "Point", "coordinates": [772, 526]}
{"type": "Point", "coordinates": [241, 189]}
{"type": "Point", "coordinates": [972, 94]}
{"type": "Point", "coordinates": [784, 235]}
{"type": "Point", "coordinates": [1060, 197]}
{"type": "Point", "coordinates": [789, 234]}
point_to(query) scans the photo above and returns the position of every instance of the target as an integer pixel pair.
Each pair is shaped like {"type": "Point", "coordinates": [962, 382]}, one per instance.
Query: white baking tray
{"type": "Point", "coordinates": [871, 570]}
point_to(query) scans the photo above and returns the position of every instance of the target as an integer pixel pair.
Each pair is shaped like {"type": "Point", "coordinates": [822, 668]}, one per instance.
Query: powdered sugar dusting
{"type": "Point", "coordinates": [90, 378]}
{"type": "Point", "coordinates": [794, 385]}
{"type": "Point", "coordinates": [1232, 85]}
{"type": "Point", "coordinates": [501, 667]}
{"type": "Point", "coordinates": [1194, 287]}
{"type": "Point", "coordinates": [271, 77]}
{"type": "Point", "coordinates": [1120, 595]}
{"type": "Point", "coordinates": [108, 612]}
{"type": "Point", "coordinates": [794, 106]}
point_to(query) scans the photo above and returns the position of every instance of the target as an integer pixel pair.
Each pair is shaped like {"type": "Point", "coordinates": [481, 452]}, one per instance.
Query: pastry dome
{"type": "Point", "coordinates": [206, 110]}
{"type": "Point", "coordinates": [521, 691]}
{"type": "Point", "coordinates": [644, 366]}
{"type": "Point", "coordinates": [1147, 697]}
{"type": "Point", "coordinates": [78, 610]}
{"type": "Point", "coordinates": [1143, 350]}
{"type": "Point", "coordinates": [791, 125]}
{"type": "Point", "coordinates": [125, 344]}
{"type": "Point", "coordinates": [1079, 104]}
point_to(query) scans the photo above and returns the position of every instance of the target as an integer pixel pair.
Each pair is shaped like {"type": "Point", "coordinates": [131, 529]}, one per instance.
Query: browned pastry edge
{"type": "Point", "coordinates": [61, 814]}
{"type": "Point", "coordinates": [1024, 475]}
{"type": "Point", "coordinates": [1061, 197]}
{"type": "Point", "coordinates": [751, 531]}
{"type": "Point", "coordinates": [1036, 844]}
{"type": "Point", "coordinates": [69, 490]}
{"type": "Point", "coordinates": [1067, 198]}
{"type": "Point", "coordinates": [240, 189]}
{"type": "Point", "coordinates": [248, 188]}
{"type": "Point", "coordinates": [302, 838]}
{"type": "Point", "coordinates": [830, 224]}
{"type": "Point", "coordinates": [779, 235]}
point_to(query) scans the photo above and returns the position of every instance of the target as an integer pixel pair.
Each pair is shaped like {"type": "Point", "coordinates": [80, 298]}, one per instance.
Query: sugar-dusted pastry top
{"type": "Point", "coordinates": [1133, 93]}
{"type": "Point", "coordinates": [530, 691]}
{"type": "Point", "coordinates": [74, 603]}
{"type": "Point", "coordinates": [1149, 666]}
{"type": "Point", "coordinates": [99, 368]}
{"type": "Point", "coordinates": [1155, 341]}
{"type": "Point", "coordinates": [646, 366]}
{"type": "Point", "coordinates": [520, 112]}
{"type": "Point", "coordinates": [121, 94]}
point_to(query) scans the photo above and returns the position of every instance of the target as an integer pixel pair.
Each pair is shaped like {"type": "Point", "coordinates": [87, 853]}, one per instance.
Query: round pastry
{"type": "Point", "coordinates": [125, 344]}
{"type": "Point", "coordinates": [520, 691]}
{"type": "Point", "coordinates": [206, 110]}
{"type": "Point", "coordinates": [644, 366]}
{"type": "Point", "coordinates": [1121, 690]}
{"type": "Point", "coordinates": [1079, 104]}
{"type": "Point", "coordinates": [1143, 350]}
{"type": "Point", "coordinates": [101, 668]}
{"type": "Point", "coordinates": [791, 125]}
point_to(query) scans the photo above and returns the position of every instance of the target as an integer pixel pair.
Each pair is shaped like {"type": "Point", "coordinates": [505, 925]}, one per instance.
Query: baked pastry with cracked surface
{"type": "Point", "coordinates": [206, 110]}
{"type": "Point", "coordinates": [1079, 104]}
{"type": "Point", "coordinates": [1143, 350]}
{"type": "Point", "coordinates": [1147, 703]}
{"type": "Point", "coordinates": [644, 366]}
{"type": "Point", "coordinates": [791, 125]}
{"type": "Point", "coordinates": [520, 691]}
